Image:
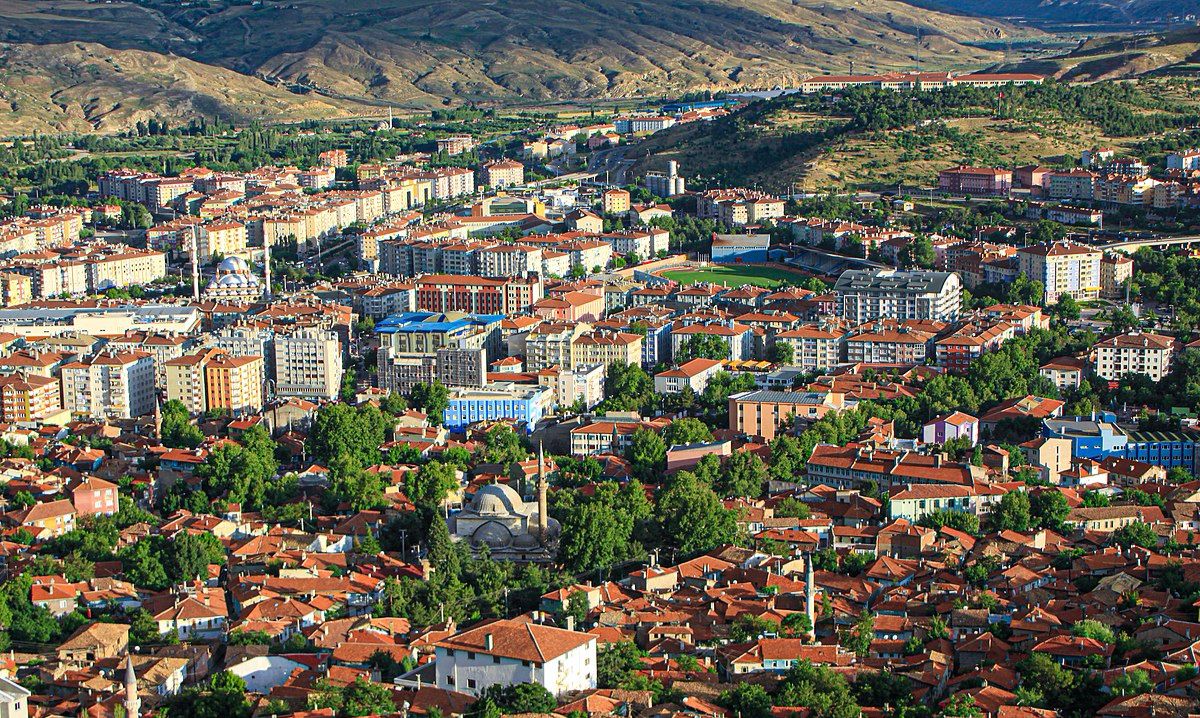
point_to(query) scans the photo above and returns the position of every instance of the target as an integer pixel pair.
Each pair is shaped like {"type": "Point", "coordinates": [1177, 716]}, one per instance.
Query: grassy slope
{"type": "Point", "coordinates": [769, 277]}
{"type": "Point", "coordinates": [1109, 58]}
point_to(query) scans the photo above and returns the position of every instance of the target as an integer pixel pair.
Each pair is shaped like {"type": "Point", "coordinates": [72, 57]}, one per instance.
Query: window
{"type": "Point", "coordinates": [495, 659]}
{"type": "Point", "coordinates": [470, 683]}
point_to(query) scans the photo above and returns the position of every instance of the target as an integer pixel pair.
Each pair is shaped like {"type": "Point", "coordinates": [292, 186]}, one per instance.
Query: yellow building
{"type": "Point", "coordinates": [234, 384]}
{"type": "Point", "coordinates": [606, 348]}
{"type": "Point", "coordinates": [28, 398]}
{"type": "Point", "coordinates": [615, 201]}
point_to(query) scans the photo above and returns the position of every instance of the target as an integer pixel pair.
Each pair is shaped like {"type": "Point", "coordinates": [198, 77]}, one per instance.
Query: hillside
{"type": "Point", "coordinates": [1065, 14]}
{"type": "Point", "coordinates": [78, 87]}
{"type": "Point", "coordinates": [430, 53]}
{"type": "Point", "coordinates": [1116, 57]}
{"type": "Point", "coordinates": [876, 140]}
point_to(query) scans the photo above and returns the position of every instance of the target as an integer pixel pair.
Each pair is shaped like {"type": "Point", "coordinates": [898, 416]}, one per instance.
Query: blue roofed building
{"type": "Point", "coordinates": [523, 403]}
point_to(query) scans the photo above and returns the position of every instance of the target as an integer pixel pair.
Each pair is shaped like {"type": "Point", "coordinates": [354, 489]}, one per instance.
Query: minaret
{"type": "Point", "coordinates": [267, 268]}
{"type": "Point", "coordinates": [810, 594]}
{"type": "Point", "coordinates": [195, 266]}
{"type": "Point", "coordinates": [132, 702]}
{"type": "Point", "coordinates": [543, 533]}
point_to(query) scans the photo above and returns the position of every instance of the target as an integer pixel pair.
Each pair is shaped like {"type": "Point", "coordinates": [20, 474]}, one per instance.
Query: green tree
{"type": "Point", "coordinates": [1090, 628]}
{"type": "Point", "coordinates": [1136, 534]}
{"type": "Point", "coordinates": [701, 346]}
{"type": "Point", "coordinates": [744, 475]}
{"type": "Point", "coordinates": [501, 445]}
{"type": "Point", "coordinates": [1050, 509]}
{"type": "Point", "coordinates": [429, 486]}
{"type": "Point", "coordinates": [647, 454]}
{"type": "Point", "coordinates": [177, 430]}
{"type": "Point", "coordinates": [432, 398]}
{"type": "Point", "coordinates": [858, 638]}
{"type": "Point", "coordinates": [782, 353]}
{"type": "Point", "coordinates": [691, 517]}
{"type": "Point", "coordinates": [1012, 512]}
{"type": "Point", "coordinates": [686, 431]}
{"type": "Point", "coordinates": [350, 484]}
{"type": "Point", "coordinates": [1132, 683]}
{"type": "Point", "coordinates": [748, 700]}
{"type": "Point", "coordinates": [522, 698]}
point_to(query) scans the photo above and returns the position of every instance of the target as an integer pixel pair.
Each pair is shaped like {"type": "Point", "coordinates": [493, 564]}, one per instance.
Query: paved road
{"type": "Point", "coordinates": [611, 164]}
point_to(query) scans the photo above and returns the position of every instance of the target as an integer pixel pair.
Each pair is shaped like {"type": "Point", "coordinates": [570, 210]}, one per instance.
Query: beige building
{"type": "Point", "coordinates": [223, 238]}
{"type": "Point", "coordinates": [15, 289]}
{"type": "Point", "coordinates": [502, 173]}
{"type": "Point", "coordinates": [1115, 271]}
{"type": "Point", "coordinates": [605, 347]}
{"type": "Point", "coordinates": [549, 344]}
{"type": "Point", "coordinates": [131, 267]}
{"type": "Point", "coordinates": [308, 364]}
{"type": "Point", "coordinates": [615, 201]}
{"type": "Point", "coordinates": [1063, 268]}
{"type": "Point", "coordinates": [813, 349]}
{"type": "Point", "coordinates": [211, 380]}
{"type": "Point", "coordinates": [1133, 353]}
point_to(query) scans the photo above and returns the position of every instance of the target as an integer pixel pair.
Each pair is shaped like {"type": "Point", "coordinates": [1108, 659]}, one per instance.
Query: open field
{"type": "Point", "coordinates": [736, 275]}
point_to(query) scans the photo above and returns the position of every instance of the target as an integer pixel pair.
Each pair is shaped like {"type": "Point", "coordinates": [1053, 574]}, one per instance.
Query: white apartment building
{"type": "Point", "coordinates": [1133, 353]}
{"type": "Point", "coordinates": [813, 349]}
{"type": "Point", "coordinates": [583, 383]}
{"type": "Point", "coordinates": [865, 295]}
{"type": "Point", "coordinates": [509, 260]}
{"type": "Point", "coordinates": [113, 385]}
{"type": "Point", "coordinates": [308, 364]}
{"type": "Point", "coordinates": [508, 652]}
{"type": "Point", "coordinates": [694, 375]}
{"type": "Point", "coordinates": [1063, 268]}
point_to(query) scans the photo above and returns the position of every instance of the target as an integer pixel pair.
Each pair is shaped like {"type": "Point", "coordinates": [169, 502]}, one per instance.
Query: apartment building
{"type": "Point", "coordinates": [509, 260]}
{"type": "Point", "coordinates": [694, 375]}
{"type": "Point", "coordinates": [110, 385]}
{"type": "Point", "coordinates": [1063, 268]}
{"type": "Point", "coordinates": [477, 295]}
{"type": "Point", "coordinates": [865, 295]}
{"type": "Point", "coordinates": [502, 173]}
{"type": "Point", "coordinates": [615, 201]}
{"type": "Point", "coordinates": [814, 349]}
{"type": "Point", "coordinates": [606, 347]}
{"type": "Point", "coordinates": [1071, 184]}
{"type": "Point", "coordinates": [739, 338]}
{"type": "Point", "coordinates": [214, 380]}
{"type": "Point", "coordinates": [126, 267]}
{"type": "Point", "coordinates": [889, 345]}
{"type": "Point", "coordinates": [308, 364]}
{"type": "Point", "coordinates": [766, 414]}
{"type": "Point", "coordinates": [738, 206]}
{"type": "Point", "coordinates": [1133, 353]}
{"type": "Point", "coordinates": [582, 386]}
{"type": "Point", "coordinates": [975, 181]}
{"type": "Point", "coordinates": [549, 344]}
{"type": "Point", "coordinates": [1115, 271]}
{"type": "Point", "coordinates": [28, 398]}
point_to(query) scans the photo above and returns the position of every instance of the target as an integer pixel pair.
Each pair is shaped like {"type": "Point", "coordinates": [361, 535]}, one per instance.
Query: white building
{"type": "Point", "coordinates": [14, 699]}
{"type": "Point", "coordinates": [308, 364]}
{"type": "Point", "coordinates": [867, 295]}
{"type": "Point", "coordinates": [116, 385]}
{"type": "Point", "coordinates": [507, 652]}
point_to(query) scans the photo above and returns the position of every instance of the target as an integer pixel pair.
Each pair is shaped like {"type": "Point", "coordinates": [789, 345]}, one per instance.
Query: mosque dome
{"type": "Point", "coordinates": [493, 535]}
{"type": "Point", "coordinates": [496, 500]}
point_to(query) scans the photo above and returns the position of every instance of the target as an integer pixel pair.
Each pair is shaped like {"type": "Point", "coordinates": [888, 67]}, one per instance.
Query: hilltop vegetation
{"type": "Point", "coordinates": [426, 54]}
{"type": "Point", "coordinates": [878, 138]}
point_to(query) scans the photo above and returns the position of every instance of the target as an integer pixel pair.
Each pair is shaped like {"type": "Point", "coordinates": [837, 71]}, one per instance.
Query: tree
{"type": "Point", "coordinates": [1012, 512]}
{"type": "Point", "coordinates": [501, 445]}
{"type": "Point", "coordinates": [340, 430]}
{"type": "Point", "coordinates": [818, 688]}
{"type": "Point", "coordinates": [701, 346]}
{"type": "Point", "coordinates": [1136, 534]}
{"type": "Point", "coordinates": [918, 253]}
{"type": "Point", "coordinates": [749, 627]}
{"type": "Point", "coordinates": [858, 638]}
{"type": "Point", "coordinates": [1050, 509]}
{"type": "Point", "coordinates": [360, 698]}
{"type": "Point", "coordinates": [691, 517]}
{"type": "Point", "coordinates": [627, 387]}
{"type": "Point", "coordinates": [1090, 628]}
{"type": "Point", "coordinates": [647, 454]}
{"type": "Point", "coordinates": [960, 520]}
{"type": "Point", "coordinates": [748, 700]}
{"type": "Point", "coordinates": [1131, 683]}
{"type": "Point", "coordinates": [792, 507]}
{"type": "Point", "coordinates": [592, 537]}
{"type": "Point", "coordinates": [223, 697]}
{"type": "Point", "coordinates": [522, 698]}
{"type": "Point", "coordinates": [1066, 308]}
{"type": "Point", "coordinates": [744, 475]}
{"type": "Point", "coordinates": [432, 398]}
{"type": "Point", "coordinates": [686, 431]}
{"type": "Point", "coordinates": [429, 486]}
{"type": "Point", "coordinates": [177, 430]}
{"type": "Point", "coordinates": [961, 705]}
{"type": "Point", "coordinates": [782, 353]}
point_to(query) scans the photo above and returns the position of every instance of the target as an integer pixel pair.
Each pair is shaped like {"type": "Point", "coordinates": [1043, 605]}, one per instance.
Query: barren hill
{"type": "Point", "coordinates": [424, 53]}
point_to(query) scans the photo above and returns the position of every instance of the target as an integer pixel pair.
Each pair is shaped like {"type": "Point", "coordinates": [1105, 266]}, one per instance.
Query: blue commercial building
{"type": "Point", "coordinates": [1090, 439]}
{"type": "Point", "coordinates": [1101, 439]}
{"type": "Point", "coordinates": [426, 332]}
{"type": "Point", "coordinates": [519, 402]}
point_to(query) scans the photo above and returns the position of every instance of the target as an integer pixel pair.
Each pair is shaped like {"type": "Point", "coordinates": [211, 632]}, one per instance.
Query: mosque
{"type": "Point", "coordinates": [511, 528]}
{"type": "Point", "coordinates": [234, 281]}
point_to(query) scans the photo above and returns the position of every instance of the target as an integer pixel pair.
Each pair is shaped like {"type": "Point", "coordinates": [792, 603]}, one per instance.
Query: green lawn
{"type": "Point", "coordinates": [733, 276]}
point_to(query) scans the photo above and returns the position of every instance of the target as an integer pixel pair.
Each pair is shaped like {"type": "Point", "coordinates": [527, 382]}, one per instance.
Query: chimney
{"type": "Point", "coordinates": [570, 624]}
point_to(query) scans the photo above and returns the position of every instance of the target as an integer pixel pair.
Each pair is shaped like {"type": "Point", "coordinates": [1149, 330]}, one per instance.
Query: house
{"type": "Point", "coordinates": [94, 642]}
{"type": "Point", "coordinates": [53, 518]}
{"type": "Point", "coordinates": [693, 374]}
{"type": "Point", "coordinates": [507, 652]}
{"type": "Point", "coordinates": [949, 427]}
{"type": "Point", "coordinates": [14, 699]}
{"type": "Point", "coordinates": [92, 496]}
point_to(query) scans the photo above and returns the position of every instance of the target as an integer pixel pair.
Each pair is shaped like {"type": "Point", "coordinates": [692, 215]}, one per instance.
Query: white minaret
{"type": "Point", "coordinates": [543, 507]}
{"type": "Point", "coordinates": [267, 268]}
{"type": "Point", "coordinates": [810, 593]}
{"type": "Point", "coordinates": [132, 702]}
{"type": "Point", "coordinates": [195, 266]}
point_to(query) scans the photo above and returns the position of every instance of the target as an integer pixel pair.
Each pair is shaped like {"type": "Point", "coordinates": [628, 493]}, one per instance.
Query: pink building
{"type": "Point", "coordinates": [571, 307]}
{"type": "Point", "coordinates": [975, 180]}
{"type": "Point", "coordinates": [92, 496]}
